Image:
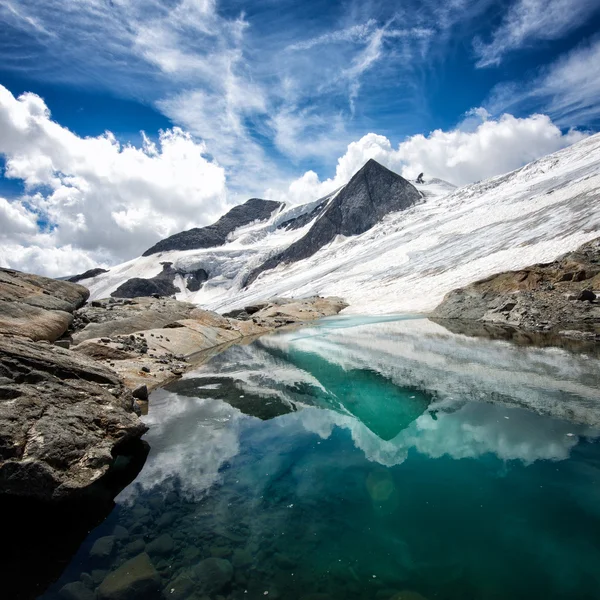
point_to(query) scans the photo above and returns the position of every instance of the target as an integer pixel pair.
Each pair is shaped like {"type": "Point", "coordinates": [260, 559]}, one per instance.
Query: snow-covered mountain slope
{"type": "Point", "coordinates": [409, 259]}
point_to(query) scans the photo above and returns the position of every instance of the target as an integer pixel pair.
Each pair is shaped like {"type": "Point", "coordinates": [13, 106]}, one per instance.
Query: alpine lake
{"type": "Point", "coordinates": [361, 458]}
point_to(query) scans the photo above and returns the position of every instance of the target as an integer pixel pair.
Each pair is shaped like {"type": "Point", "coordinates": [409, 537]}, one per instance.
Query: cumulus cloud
{"type": "Point", "coordinates": [528, 21]}
{"type": "Point", "coordinates": [478, 148]}
{"type": "Point", "coordinates": [94, 194]}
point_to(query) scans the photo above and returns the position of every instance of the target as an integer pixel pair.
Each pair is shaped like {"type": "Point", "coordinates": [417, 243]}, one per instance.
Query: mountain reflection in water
{"type": "Point", "coordinates": [365, 458]}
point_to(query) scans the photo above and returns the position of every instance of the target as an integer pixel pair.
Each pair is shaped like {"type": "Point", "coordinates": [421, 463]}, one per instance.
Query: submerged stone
{"type": "Point", "coordinates": [137, 579]}
{"type": "Point", "coordinates": [76, 591]}
{"type": "Point", "coordinates": [103, 547]}
{"type": "Point", "coordinates": [213, 574]}
{"type": "Point", "coordinates": [161, 545]}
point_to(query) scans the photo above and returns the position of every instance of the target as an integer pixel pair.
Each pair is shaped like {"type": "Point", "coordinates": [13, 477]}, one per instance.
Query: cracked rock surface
{"type": "Point", "coordinates": [62, 416]}
{"type": "Point", "coordinates": [561, 297]}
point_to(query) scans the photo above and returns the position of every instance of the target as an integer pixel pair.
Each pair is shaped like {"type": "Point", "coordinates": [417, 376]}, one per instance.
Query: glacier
{"type": "Point", "coordinates": [409, 260]}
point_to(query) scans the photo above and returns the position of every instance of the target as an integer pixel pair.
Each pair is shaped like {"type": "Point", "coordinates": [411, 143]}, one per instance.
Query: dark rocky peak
{"type": "Point", "coordinates": [87, 275]}
{"type": "Point", "coordinates": [216, 234]}
{"type": "Point", "coordinates": [370, 195]}
{"type": "Point", "coordinates": [162, 284]}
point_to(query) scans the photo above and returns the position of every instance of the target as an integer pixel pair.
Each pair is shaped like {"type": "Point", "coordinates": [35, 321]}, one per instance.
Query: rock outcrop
{"type": "Point", "coordinates": [37, 307]}
{"type": "Point", "coordinates": [162, 284]}
{"type": "Point", "coordinates": [560, 297]}
{"type": "Point", "coordinates": [150, 342]}
{"type": "Point", "coordinates": [216, 234]}
{"type": "Point", "coordinates": [370, 195]}
{"type": "Point", "coordinates": [87, 275]}
{"type": "Point", "coordinates": [63, 417]}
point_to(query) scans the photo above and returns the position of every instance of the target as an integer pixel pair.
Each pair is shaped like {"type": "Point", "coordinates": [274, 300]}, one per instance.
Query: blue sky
{"type": "Point", "coordinates": [285, 98]}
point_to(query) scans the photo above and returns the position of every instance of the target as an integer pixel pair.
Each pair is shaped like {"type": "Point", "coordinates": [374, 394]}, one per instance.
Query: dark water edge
{"type": "Point", "coordinates": [39, 539]}
{"type": "Point", "coordinates": [361, 458]}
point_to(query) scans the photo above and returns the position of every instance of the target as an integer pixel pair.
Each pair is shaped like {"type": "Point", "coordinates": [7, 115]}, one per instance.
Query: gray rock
{"type": "Point", "coordinates": [166, 519]}
{"type": "Point", "coordinates": [87, 275]}
{"type": "Point", "coordinates": [214, 235]}
{"type": "Point", "coordinates": [370, 195]}
{"type": "Point", "coordinates": [134, 548]}
{"type": "Point", "coordinates": [213, 574]}
{"type": "Point", "coordinates": [586, 295]}
{"type": "Point", "coordinates": [127, 318]}
{"type": "Point", "coordinates": [137, 579]}
{"type": "Point", "coordinates": [18, 318]}
{"type": "Point", "coordinates": [181, 587]}
{"type": "Point", "coordinates": [76, 591]}
{"type": "Point", "coordinates": [103, 547]}
{"type": "Point", "coordinates": [120, 533]}
{"type": "Point", "coordinates": [162, 545]}
{"type": "Point", "coordinates": [60, 429]}
{"type": "Point", "coordinates": [241, 558]}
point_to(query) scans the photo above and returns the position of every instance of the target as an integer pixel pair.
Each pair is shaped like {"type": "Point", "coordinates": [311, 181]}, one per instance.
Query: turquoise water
{"type": "Point", "coordinates": [365, 458]}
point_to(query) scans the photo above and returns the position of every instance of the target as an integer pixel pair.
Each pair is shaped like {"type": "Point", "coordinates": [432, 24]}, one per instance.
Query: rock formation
{"type": "Point", "coordinates": [162, 284]}
{"type": "Point", "coordinates": [37, 307]}
{"type": "Point", "coordinates": [254, 209]}
{"type": "Point", "coordinates": [87, 275]}
{"type": "Point", "coordinates": [370, 195]}
{"type": "Point", "coordinates": [63, 417]}
{"type": "Point", "coordinates": [559, 297]}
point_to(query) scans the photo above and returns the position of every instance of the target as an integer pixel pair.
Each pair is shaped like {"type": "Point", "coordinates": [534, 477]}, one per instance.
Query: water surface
{"type": "Point", "coordinates": [368, 458]}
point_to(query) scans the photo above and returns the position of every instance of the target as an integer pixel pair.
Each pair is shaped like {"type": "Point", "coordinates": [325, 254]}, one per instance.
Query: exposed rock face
{"type": "Point", "coordinates": [370, 195]}
{"type": "Point", "coordinates": [254, 209]}
{"type": "Point", "coordinates": [62, 417]}
{"type": "Point", "coordinates": [37, 307]}
{"type": "Point", "coordinates": [87, 275]}
{"type": "Point", "coordinates": [161, 284]}
{"type": "Point", "coordinates": [150, 342]}
{"type": "Point", "coordinates": [560, 297]}
{"type": "Point", "coordinates": [104, 318]}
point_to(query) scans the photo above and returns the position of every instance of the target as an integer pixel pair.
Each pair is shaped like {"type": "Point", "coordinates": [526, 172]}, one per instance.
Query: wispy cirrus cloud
{"type": "Point", "coordinates": [530, 21]}
{"type": "Point", "coordinates": [567, 90]}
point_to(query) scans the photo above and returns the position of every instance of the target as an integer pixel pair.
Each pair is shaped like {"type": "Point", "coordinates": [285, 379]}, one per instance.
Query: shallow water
{"type": "Point", "coordinates": [367, 458]}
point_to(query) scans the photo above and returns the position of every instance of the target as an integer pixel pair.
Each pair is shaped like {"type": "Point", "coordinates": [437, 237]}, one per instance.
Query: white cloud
{"type": "Point", "coordinates": [354, 33]}
{"type": "Point", "coordinates": [529, 21]}
{"type": "Point", "coordinates": [95, 194]}
{"type": "Point", "coordinates": [478, 148]}
{"type": "Point", "coordinates": [567, 90]}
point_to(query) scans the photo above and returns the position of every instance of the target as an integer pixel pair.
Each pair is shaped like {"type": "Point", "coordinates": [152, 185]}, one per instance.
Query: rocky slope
{"type": "Point", "coordinates": [369, 196]}
{"type": "Point", "coordinates": [37, 307]}
{"type": "Point", "coordinates": [559, 297]}
{"type": "Point", "coordinates": [63, 417]}
{"type": "Point", "coordinates": [252, 210]}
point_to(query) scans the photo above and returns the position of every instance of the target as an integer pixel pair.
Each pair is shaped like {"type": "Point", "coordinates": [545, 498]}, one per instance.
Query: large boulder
{"type": "Point", "coordinates": [37, 307]}
{"type": "Point", "coordinates": [62, 418]}
{"type": "Point", "coordinates": [137, 579]}
{"type": "Point", "coordinates": [106, 318]}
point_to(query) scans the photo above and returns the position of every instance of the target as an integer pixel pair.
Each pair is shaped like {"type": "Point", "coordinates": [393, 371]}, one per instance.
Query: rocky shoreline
{"type": "Point", "coordinates": [561, 299]}
{"type": "Point", "coordinates": [74, 379]}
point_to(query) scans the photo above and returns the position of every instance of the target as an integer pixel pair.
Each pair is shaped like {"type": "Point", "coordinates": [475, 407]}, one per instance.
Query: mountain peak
{"type": "Point", "coordinates": [373, 192]}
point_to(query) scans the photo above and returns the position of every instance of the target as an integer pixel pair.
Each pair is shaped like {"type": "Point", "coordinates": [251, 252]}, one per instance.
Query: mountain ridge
{"type": "Point", "coordinates": [409, 259]}
{"type": "Point", "coordinates": [373, 187]}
